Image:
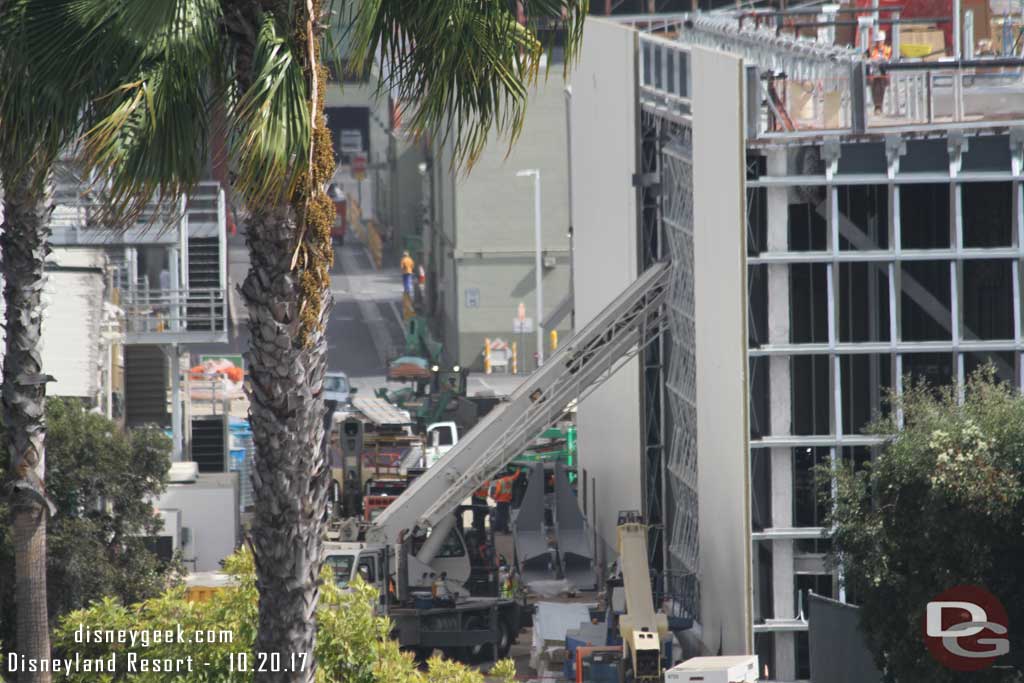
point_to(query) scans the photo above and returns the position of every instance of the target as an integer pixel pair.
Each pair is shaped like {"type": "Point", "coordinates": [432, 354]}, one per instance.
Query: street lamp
{"type": "Point", "coordinates": [540, 273]}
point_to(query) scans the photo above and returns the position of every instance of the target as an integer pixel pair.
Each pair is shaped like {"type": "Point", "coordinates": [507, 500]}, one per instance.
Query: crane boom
{"type": "Point", "coordinates": [616, 334]}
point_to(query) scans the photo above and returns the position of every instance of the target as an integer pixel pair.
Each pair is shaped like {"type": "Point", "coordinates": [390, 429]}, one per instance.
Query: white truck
{"type": "Point", "coordinates": [416, 538]}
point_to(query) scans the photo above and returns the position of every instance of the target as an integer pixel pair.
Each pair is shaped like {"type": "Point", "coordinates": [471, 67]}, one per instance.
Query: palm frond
{"type": "Point", "coordinates": [271, 124]}
{"type": "Point", "coordinates": [149, 134]}
{"type": "Point", "coordinates": [465, 68]}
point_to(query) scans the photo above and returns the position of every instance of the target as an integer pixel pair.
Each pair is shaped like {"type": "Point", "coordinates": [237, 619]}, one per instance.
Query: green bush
{"type": "Point", "coordinates": [353, 644]}
{"type": "Point", "coordinates": [941, 505]}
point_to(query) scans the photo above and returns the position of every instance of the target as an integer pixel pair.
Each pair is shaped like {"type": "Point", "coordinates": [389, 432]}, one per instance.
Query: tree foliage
{"type": "Point", "coordinates": [942, 505]}
{"type": "Point", "coordinates": [352, 645]}
{"type": "Point", "coordinates": [101, 480]}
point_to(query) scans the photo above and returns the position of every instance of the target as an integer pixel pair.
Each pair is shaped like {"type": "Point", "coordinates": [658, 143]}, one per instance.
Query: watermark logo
{"type": "Point", "coordinates": [965, 628]}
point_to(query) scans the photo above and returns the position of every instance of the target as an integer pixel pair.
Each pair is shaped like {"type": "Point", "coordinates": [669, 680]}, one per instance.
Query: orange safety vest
{"type": "Point", "coordinates": [483, 491]}
{"type": "Point", "coordinates": [883, 54]}
{"type": "Point", "coordinates": [503, 488]}
{"type": "Point", "coordinates": [407, 265]}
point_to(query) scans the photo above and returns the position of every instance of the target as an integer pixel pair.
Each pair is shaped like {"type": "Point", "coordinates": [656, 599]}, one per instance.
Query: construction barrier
{"type": "Point", "coordinates": [408, 309]}
{"type": "Point", "coordinates": [374, 243]}
{"type": "Point", "coordinates": [487, 356]}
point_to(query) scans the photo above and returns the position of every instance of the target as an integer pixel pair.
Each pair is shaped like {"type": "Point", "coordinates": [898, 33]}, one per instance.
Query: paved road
{"type": "Point", "coordinates": [364, 329]}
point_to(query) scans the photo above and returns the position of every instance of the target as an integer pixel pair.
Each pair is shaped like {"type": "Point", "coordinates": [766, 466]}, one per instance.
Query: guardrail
{"type": "Point", "coordinates": [175, 311]}
{"type": "Point", "coordinates": [915, 94]}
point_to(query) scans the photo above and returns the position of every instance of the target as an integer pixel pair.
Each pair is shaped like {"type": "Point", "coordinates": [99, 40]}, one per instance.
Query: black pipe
{"type": "Point", "coordinates": [881, 22]}
{"type": "Point", "coordinates": [804, 12]}
{"type": "Point", "coordinates": [952, 64]}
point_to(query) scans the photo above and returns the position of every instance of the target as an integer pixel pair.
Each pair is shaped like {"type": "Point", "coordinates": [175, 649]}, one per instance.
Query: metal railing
{"type": "Point", "coordinates": [798, 85]}
{"type": "Point", "coordinates": [174, 310]}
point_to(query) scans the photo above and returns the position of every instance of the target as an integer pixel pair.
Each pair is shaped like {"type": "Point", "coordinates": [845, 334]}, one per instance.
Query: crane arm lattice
{"type": "Point", "coordinates": [596, 352]}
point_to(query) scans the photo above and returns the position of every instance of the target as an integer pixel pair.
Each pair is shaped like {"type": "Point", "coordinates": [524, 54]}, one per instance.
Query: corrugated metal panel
{"type": "Point", "coordinates": [71, 333]}
{"type": "Point", "coordinates": [71, 323]}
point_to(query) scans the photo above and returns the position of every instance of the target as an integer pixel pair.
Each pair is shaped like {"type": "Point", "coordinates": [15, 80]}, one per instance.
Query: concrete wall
{"type": "Point", "coordinates": [604, 159]}
{"type": "Point", "coordinates": [489, 293]}
{"type": "Point", "coordinates": [721, 327]}
{"type": "Point", "coordinates": [488, 217]}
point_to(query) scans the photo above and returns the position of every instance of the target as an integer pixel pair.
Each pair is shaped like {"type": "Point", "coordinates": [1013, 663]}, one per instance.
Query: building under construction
{"type": "Point", "coordinates": [823, 250]}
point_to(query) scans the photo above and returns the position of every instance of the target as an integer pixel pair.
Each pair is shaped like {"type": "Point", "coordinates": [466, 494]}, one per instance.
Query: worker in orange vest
{"type": "Point", "coordinates": [503, 498]}
{"type": "Point", "coordinates": [880, 52]}
{"type": "Point", "coordinates": [408, 266]}
{"type": "Point", "coordinates": [480, 511]}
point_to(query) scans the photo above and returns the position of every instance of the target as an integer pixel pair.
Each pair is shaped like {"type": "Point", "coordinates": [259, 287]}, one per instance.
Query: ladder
{"type": "Point", "coordinates": [634, 319]}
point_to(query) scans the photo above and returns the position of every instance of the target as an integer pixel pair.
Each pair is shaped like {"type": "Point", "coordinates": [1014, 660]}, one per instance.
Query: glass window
{"type": "Point", "coordinates": [335, 383]}
{"type": "Point", "coordinates": [366, 569]}
{"type": "Point", "coordinates": [812, 394]}
{"type": "Point", "coordinates": [987, 214]}
{"type": "Point", "coordinates": [452, 546]}
{"type": "Point", "coordinates": [808, 303]}
{"type": "Point", "coordinates": [864, 217]}
{"type": "Point", "coordinates": [341, 565]}
{"type": "Point", "coordinates": [863, 306]}
{"type": "Point", "coordinates": [444, 436]}
{"type": "Point", "coordinates": [925, 314]}
{"type": "Point", "coordinates": [808, 507]}
{"type": "Point", "coordinates": [865, 380]}
{"type": "Point", "coordinates": [924, 216]}
{"type": "Point", "coordinates": [987, 299]}
{"type": "Point", "coordinates": [936, 369]}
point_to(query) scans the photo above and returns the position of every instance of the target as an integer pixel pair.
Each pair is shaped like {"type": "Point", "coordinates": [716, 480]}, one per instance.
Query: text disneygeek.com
{"type": "Point", "coordinates": [126, 657]}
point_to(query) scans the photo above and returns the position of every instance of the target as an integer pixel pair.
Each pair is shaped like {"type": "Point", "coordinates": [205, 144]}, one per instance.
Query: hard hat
{"type": "Point", "coordinates": [880, 37]}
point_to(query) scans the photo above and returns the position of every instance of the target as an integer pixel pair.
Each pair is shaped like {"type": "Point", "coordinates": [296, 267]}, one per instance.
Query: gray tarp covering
{"type": "Point", "coordinates": [574, 547]}
{"type": "Point", "coordinates": [838, 652]}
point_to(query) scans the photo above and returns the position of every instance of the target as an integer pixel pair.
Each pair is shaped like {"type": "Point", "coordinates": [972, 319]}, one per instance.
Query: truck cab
{"type": "Point", "coordinates": [441, 438]}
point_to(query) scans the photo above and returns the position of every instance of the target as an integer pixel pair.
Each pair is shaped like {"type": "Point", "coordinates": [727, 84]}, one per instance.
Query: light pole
{"type": "Point", "coordinates": [537, 258]}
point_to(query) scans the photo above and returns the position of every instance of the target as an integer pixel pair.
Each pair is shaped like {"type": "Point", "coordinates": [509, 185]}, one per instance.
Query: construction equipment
{"type": "Point", "coordinates": [642, 629]}
{"type": "Point", "coordinates": [420, 342]}
{"type": "Point", "coordinates": [416, 536]}
{"type": "Point", "coordinates": [435, 394]}
{"type": "Point", "coordinates": [598, 664]}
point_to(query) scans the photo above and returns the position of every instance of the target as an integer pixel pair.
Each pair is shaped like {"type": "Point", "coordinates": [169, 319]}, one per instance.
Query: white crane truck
{"type": "Point", "coordinates": [416, 537]}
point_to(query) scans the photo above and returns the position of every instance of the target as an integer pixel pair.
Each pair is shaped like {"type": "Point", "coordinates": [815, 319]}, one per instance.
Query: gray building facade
{"type": "Point", "coordinates": [480, 244]}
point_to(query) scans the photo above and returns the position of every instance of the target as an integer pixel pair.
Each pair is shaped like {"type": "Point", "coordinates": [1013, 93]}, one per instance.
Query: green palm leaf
{"type": "Point", "coordinates": [271, 123]}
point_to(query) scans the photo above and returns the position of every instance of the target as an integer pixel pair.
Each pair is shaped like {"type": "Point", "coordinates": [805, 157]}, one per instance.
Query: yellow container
{"type": "Point", "coordinates": [915, 50]}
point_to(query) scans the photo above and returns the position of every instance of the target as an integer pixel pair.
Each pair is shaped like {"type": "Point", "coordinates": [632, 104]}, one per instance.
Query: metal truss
{"type": "Point", "coordinates": [621, 331]}
{"type": "Point", "coordinates": [675, 168]}
{"type": "Point", "coordinates": [796, 57]}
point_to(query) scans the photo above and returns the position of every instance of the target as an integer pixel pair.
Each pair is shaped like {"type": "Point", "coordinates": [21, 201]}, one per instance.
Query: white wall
{"type": "Point", "coordinates": [72, 349]}
{"type": "Point", "coordinates": [209, 509]}
{"type": "Point", "coordinates": [723, 473]}
{"type": "Point", "coordinates": [604, 121]}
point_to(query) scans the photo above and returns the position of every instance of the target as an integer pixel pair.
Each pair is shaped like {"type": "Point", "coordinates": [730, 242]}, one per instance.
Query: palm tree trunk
{"type": "Point", "coordinates": [24, 248]}
{"type": "Point", "coordinates": [291, 475]}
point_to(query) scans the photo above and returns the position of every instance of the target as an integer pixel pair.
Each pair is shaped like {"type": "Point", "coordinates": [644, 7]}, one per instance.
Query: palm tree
{"type": "Point", "coordinates": [38, 117]}
{"type": "Point", "coordinates": [465, 66]}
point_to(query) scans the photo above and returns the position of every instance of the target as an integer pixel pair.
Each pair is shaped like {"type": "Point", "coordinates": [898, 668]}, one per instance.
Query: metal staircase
{"type": "Point", "coordinates": [209, 442]}
{"type": "Point", "coordinates": [145, 373]}
{"type": "Point", "coordinates": [618, 333]}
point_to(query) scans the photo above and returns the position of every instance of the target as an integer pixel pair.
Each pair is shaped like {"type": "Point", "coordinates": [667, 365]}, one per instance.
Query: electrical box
{"type": "Point", "coordinates": [741, 669]}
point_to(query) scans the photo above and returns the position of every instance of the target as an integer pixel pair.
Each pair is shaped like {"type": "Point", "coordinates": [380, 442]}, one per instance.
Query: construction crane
{"type": "Point", "coordinates": [422, 520]}
{"type": "Point", "coordinates": [642, 629]}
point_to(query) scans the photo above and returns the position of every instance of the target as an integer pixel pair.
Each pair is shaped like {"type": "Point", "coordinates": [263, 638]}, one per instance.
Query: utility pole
{"type": "Point", "coordinates": [538, 259]}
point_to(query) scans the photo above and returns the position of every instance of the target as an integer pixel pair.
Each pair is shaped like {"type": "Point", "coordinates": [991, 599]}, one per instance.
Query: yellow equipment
{"type": "Point", "coordinates": [642, 628]}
